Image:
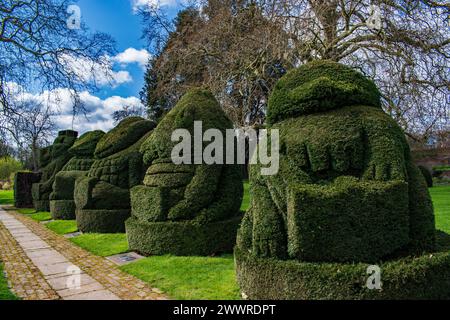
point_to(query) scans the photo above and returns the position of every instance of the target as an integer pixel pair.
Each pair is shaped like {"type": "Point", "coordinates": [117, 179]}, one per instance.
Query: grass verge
{"type": "Point", "coordinates": [102, 244]}
{"type": "Point", "coordinates": [189, 278]}
{"type": "Point", "coordinates": [441, 203]}
{"type": "Point", "coordinates": [6, 197]}
{"type": "Point", "coordinates": [63, 226]}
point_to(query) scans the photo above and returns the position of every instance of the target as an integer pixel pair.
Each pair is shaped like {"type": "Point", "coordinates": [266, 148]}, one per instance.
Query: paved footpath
{"type": "Point", "coordinates": [41, 265]}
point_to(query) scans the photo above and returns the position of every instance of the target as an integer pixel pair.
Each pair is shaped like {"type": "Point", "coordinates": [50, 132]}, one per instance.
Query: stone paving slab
{"type": "Point", "coordinates": [52, 255]}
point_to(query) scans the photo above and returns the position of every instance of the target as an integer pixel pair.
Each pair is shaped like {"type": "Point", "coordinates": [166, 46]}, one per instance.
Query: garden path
{"type": "Point", "coordinates": [41, 265]}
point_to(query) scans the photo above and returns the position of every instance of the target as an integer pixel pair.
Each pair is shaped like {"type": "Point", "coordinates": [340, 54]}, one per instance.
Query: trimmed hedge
{"type": "Point", "coordinates": [23, 182]}
{"type": "Point", "coordinates": [106, 187]}
{"type": "Point", "coordinates": [182, 238]}
{"type": "Point", "coordinates": [183, 202]}
{"type": "Point", "coordinates": [52, 160]}
{"type": "Point", "coordinates": [102, 221]}
{"type": "Point", "coordinates": [317, 87]}
{"type": "Point", "coordinates": [427, 175]}
{"type": "Point", "coordinates": [347, 220]}
{"type": "Point", "coordinates": [62, 205]}
{"type": "Point", "coordinates": [62, 209]}
{"type": "Point", "coordinates": [347, 190]}
{"type": "Point", "coordinates": [423, 277]}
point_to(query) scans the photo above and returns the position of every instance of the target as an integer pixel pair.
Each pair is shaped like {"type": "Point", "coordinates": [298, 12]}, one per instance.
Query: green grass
{"type": "Point", "coordinates": [41, 216]}
{"type": "Point", "coordinates": [63, 226]}
{"type": "Point", "coordinates": [5, 293]}
{"type": "Point", "coordinates": [102, 244]}
{"type": "Point", "coordinates": [189, 278]}
{"type": "Point", "coordinates": [26, 211]}
{"type": "Point", "coordinates": [6, 197]}
{"type": "Point", "coordinates": [441, 202]}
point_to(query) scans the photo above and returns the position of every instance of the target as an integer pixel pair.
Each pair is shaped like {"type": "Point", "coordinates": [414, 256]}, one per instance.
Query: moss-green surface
{"type": "Point", "coordinates": [441, 203]}
{"type": "Point", "coordinates": [6, 197]}
{"type": "Point", "coordinates": [26, 211]}
{"type": "Point", "coordinates": [41, 216]}
{"type": "Point", "coordinates": [102, 244]}
{"type": "Point", "coordinates": [189, 278]}
{"type": "Point", "coordinates": [63, 226]}
{"type": "Point", "coordinates": [5, 293]}
{"type": "Point", "coordinates": [246, 197]}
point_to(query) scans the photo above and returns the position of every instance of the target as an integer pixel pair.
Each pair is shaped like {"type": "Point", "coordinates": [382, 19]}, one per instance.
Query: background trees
{"type": "Point", "coordinates": [239, 48]}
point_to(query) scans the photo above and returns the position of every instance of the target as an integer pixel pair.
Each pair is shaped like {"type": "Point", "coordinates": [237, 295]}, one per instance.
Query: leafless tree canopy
{"type": "Point", "coordinates": [37, 47]}
{"type": "Point", "coordinates": [240, 48]}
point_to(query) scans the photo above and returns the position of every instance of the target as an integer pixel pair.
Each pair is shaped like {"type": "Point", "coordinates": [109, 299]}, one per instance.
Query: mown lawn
{"type": "Point", "coordinates": [188, 278]}
{"type": "Point", "coordinates": [102, 244]}
{"type": "Point", "coordinates": [63, 226]}
{"type": "Point", "coordinates": [441, 203]}
{"type": "Point", "coordinates": [6, 197]}
{"type": "Point", "coordinates": [5, 293]}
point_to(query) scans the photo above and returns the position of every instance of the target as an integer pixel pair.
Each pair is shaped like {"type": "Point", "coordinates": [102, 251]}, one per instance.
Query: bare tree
{"type": "Point", "coordinates": [128, 111]}
{"type": "Point", "coordinates": [42, 42]}
{"type": "Point", "coordinates": [30, 127]}
{"type": "Point", "coordinates": [243, 47]}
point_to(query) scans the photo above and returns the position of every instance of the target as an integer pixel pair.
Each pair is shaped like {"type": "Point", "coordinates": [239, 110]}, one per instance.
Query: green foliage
{"type": "Point", "coordinates": [85, 145]}
{"type": "Point", "coordinates": [103, 197]}
{"type": "Point", "coordinates": [183, 238]}
{"type": "Point", "coordinates": [317, 87]}
{"type": "Point", "coordinates": [52, 160]}
{"type": "Point", "coordinates": [102, 221]}
{"type": "Point", "coordinates": [179, 208]}
{"type": "Point", "coordinates": [188, 278]}
{"type": "Point", "coordinates": [346, 221]}
{"type": "Point", "coordinates": [63, 226]}
{"type": "Point", "coordinates": [421, 277]}
{"type": "Point", "coordinates": [346, 192]}
{"type": "Point", "coordinates": [124, 135]}
{"type": "Point", "coordinates": [9, 166]}
{"type": "Point", "coordinates": [23, 182]}
{"type": "Point", "coordinates": [62, 209]}
{"type": "Point", "coordinates": [102, 244]}
{"type": "Point", "coordinates": [427, 175]}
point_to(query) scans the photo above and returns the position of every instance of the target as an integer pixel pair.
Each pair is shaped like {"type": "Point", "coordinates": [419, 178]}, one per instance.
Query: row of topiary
{"type": "Point", "coordinates": [347, 194]}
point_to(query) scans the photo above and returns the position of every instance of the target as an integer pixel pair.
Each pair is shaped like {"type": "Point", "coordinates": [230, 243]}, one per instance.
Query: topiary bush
{"type": "Point", "coordinates": [23, 182]}
{"type": "Point", "coordinates": [185, 209]}
{"type": "Point", "coordinates": [347, 193]}
{"type": "Point", "coordinates": [51, 160]}
{"type": "Point", "coordinates": [102, 197]}
{"type": "Point", "coordinates": [62, 205]}
{"type": "Point", "coordinates": [427, 175]}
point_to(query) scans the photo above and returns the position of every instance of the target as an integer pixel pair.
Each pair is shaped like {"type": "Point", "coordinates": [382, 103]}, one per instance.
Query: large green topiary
{"type": "Point", "coordinates": [51, 160]}
{"type": "Point", "coordinates": [62, 205]}
{"type": "Point", "coordinates": [23, 182]}
{"type": "Point", "coordinates": [427, 175]}
{"type": "Point", "coordinates": [347, 192]}
{"type": "Point", "coordinates": [186, 209]}
{"type": "Point", "coordinates": [102, 197]}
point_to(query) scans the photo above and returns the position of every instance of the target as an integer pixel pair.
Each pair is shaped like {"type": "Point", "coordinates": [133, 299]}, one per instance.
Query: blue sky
{"type": "Point", "coordinates": [118, 19]}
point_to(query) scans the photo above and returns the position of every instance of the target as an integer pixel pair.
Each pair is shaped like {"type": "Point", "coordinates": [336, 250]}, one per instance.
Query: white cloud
{"type": "Point", "coordinates": [98, 111]}
{"type": "Point", "coordinates": [141, 4]}
{"type": "Point", "coordinates": [100, 73]}
{"type": "Point", "coordinates": [132, 55]}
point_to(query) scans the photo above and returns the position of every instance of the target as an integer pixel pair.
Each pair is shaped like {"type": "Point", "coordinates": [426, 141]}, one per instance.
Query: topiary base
{"type": "Point", "coordinates": [41, 205]}
{"type": "Point", "coordinates": [423, 277]}
{"type": "Point", "coordinates": [62, 209]}
{"type": "Point", "coordinates": [183, 238]}
{"type": "Point", "coordinates": [102, 221]}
